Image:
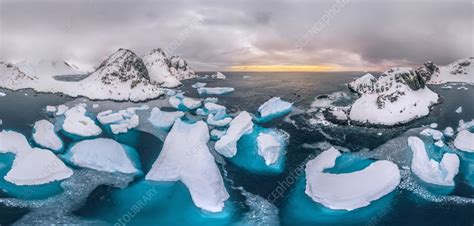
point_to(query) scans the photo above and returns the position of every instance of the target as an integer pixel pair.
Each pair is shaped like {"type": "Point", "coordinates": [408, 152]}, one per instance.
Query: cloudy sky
{"type": "Point", "coordinates": [224, 35]}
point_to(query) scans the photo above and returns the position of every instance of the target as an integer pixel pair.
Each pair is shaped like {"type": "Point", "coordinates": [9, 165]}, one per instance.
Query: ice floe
{"type": "Point", "coordinates": [192, 163]}
{"type": "Point", "coordinates": [458, 110]}
{"type": "Point", "coordinates": [121, 121]}
{"type": "Point", "coordinates": [349, 191]}
{"type": "Point", "coordinates": [13, 142]}
{"type": "Point", "coordinates": [77, 123]}
{"type": "Point", "coordinates": [37, 166]}
{"type": "Point", "coordinates": [435, 134]}
{"type": "Point", "coordinates": [273, 108]}
{"type": "Point", "coordinates": [45, 135]}
{"type": "Point", "coordinates": [240, 125]}
{"type": "Point", "coordinates": [269, 147]}
{"type": "Point", "coordinates": [214, 90]}
{"type": "Point", "coordinates": [198, 85]}
{"type": "Point", "coordinates": [184, 103]}
{"type": "Point", "coordinates": [164, 119]}
{"type": "Point", "coordinates": [464, 141]}
{"type": "Point", "coordinates": [101, 154]}
{"type": "Point", "coordinates": [433, 172]}
{"type": "Point", "coordinates": [448, 131]}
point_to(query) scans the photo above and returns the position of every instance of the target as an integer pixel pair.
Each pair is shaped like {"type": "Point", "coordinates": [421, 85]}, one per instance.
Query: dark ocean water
{"type": "Point", "coordinates": [172, 205]}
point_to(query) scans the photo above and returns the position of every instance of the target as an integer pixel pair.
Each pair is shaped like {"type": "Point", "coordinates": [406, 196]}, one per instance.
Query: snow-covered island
{"type": "Point", "coordinates": [123, 76]}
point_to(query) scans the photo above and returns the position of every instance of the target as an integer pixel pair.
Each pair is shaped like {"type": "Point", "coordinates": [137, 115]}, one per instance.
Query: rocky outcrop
{"type": "Point", "coordinates": [180, 68]}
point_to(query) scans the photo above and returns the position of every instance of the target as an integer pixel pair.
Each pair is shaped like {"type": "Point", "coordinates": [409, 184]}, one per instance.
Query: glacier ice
{"type": "Point", "coordinates": [464, 141]}
{"type": "Point", "coordinates": [102, 154]}
{"type": "Point", "coordinates": [164, 119]}
{"type": "Point", "coordinates": [349, 191]}
{"type": "Point", "coordinates": [439, 173]}
{"type": "Point", "coordinates": [77, 123]}
{"type": "Point", "coordinates": [273, 108]}
{"type": "Point", "coordinates": [240, 125]}
{"type": "Point", "coordinates": [45, 136]}
{"type": "Point", "coordinates": [192, 163]}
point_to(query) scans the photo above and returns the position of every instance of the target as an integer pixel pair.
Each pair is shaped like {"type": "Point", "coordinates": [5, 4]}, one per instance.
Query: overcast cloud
{"type": "Point", "coordinates": [213, 35]}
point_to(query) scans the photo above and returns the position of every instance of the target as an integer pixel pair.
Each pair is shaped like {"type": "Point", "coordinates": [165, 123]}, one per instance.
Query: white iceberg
{"type": "Point", "coordinates": [198, 84]}
{"type": "Point", "coordinates": [121, 121]}
{"type": "Point", "coordinates": [192, 163]}
{"type": "Point", "coordinates": [77, 123]}
{"type": "Point", "coordinates": [164, 119]}
{"type": "Point", "coordinates": [51, 109]}
{"type": "Point", "coordinates": [217, 134]}
{"type": "Point", "coordinates": [274, 107]}
{"type": "Point", "coordinates": [465, 125]}
{"type": "Point", "coordinates": [349, 191]}
{"type": "Point", "coordinates": [435, 134]}
{"type": "Point", "coordinates": [211, 100]}
{"type": "Point", "coordinates": [214, 90]}
{"type": "Point", "coordinates": [44, 135]}
{"type": "Point", "coordinates": [439, 173]}
{"type": "Point", "coordinates": [37, 166]}
{"type": "Point", "coordinates": [191, 103]}
{"type": "Point", "coordinates": [2, 94]}
{"type": "Point", "coordinates": [62, 109]}
{"type": "Point", "coordinates": [218, 120]}
{"type": "Point", "coordinates": [103, 155]}
{"type": "Point", "coordinates": [464, 141]}
{"type": "Point", "coordinates": [213, 107]}
{"type": "Point", "coordinates": [269, 147]}
{"type": "Point", "coordinates": [13, 142]}
{"type": "Point", "coordinates": [218, 75]}
{"type": "Point", "coordinates": [458, 110]}
{"type": "Point", "coordinates": [448, 131]}
{"type": "Point", "coordinates": [240, 125]}
{"type": "Point", "coordinates": [180, 102]}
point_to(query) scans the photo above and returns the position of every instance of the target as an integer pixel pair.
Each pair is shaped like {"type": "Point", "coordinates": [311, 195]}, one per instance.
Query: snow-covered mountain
{"type": "Point", "coordinates": [122, 76]}
{"type": "Point", "coordinates": [158, 66]}
{"type": "Point", "coordinates": [49, 68]}
{"type": "Point", "coordinates": [459, 71]}
{"type": "Point", "coordinates": [180, 69]}
{"type": "Point", "coordinates": [398, 96]}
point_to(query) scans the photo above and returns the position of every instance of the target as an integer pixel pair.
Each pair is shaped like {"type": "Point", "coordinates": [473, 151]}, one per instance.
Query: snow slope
{"type": "Point", "coordinates": [158, 66]}
{"type": "Point", "coordinates": [459, 71]}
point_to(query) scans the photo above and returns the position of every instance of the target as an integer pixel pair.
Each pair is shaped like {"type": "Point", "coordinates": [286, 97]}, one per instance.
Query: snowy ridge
{"type": "Point", "coordinates": [459, 71]}
{"type": "Point", "coordinates": [159, 70]}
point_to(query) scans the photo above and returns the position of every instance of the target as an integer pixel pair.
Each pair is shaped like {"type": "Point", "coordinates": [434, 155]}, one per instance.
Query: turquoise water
{"type": "Point", "coordinates": [169, 203]}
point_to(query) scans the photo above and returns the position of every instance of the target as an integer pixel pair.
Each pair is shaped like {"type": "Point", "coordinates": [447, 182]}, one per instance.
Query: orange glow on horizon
{"type": "Point", "coordinates": [274, 68]}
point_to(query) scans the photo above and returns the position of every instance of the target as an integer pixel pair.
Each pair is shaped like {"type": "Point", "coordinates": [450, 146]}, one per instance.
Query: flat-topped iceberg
{"type": "Point", "coordinates": [240, 125]}
{"type": "Point", "coordinates": [214, 90]}
{"type": "Point", "coordinates": [13, 142]}
{"type": "Point", "coordinates": [186, 157]}
{"type": "Point", "coordinates": [77, 123]}
{"type": "Point", "coordinates": [102, 154]}
{"type": "Point", "coordinates": [273, 108]}
{"type": "Point", "coordinates": [121, 121]}
{"type": "Point", "coordinates": [349, 191]}
{"type": "Point", "coordinates": [45, 136]}
{"type": "Point", "coordinates": [430, 171]}
{"type": "Point", "coordinates": [164, 119]}
{"type": "Point", "coordinates": [464, 141]}
{"type": "Point", "coordinates": [184, 103]}
{"type": "Point", "coordinates": [37, 166]}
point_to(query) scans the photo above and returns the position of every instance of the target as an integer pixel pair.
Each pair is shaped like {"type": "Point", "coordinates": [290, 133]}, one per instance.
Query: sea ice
{"type": "Point", "coordinates": [211, 100]}
{"type": "Point", "coordinates": [77, 123]}
{"type": "Point", "coordinates": [101, 154]}
{"type": "Point", "coordinates": [439, 173]}
{"type": "Point", "coordinates": [240, 125]}
{"type": "Point", "coordinates": [44, 135]}
{"type": "Point", "coordinates": [214, 108]}
{"type": "Point", "coordinates": [198, 85]}
{"type": "Point", "coordinates": [214, 90]}
{"type": "Point", "coordinates": [13, 142]}
{"type": "Point", "coordinates": [51, 109]}
{"type": "Point", "coordinates": [217, 134]}
{"type": "Point", "coordinates": [62, 109]}
{"type": "Point", "coordinates": [273, 108]}
{"type": "Point", "coordinates": [436, 134]}
{"type": "Point", "coordinates": [164, 119]}
{"type": "Point", "coordinates": [268, 147]}
{"type": "Point", "coordinates": [449, 131]}
{"type": "Point", "coordinates": [192, 163]}
{"type": "Point", "coordinates": [434, 125]}
{"type": "Point", "coordinates": [218, 119]}
{"type": "Point", "coordinates": [464, 141]}
{"type": "Point", "coordinates": [37, 166]}
{"type": "Point", "coordinates": [349, 191]}
{"type": "Point", "coordinates": [184, 103]}
{"type": "Point", "coordinates": [459, 110]}
{"type": "Point", "coordinates": [121, 121]}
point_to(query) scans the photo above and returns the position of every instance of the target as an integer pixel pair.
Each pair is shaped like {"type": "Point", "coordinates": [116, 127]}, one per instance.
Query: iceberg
{"type": "Point", "coordinates": [192, 163]}
{"type": "Point", "coordinates": [458, 110]}
{"type": "Point", "coordinates": [62, 109]}
{"type": "Point", "coordinates": [273, 108]}
{"type": "Point", "coordinates": [268, 147]}
{"type": "Point", "coordinates": [102, 154]}
{"type": "Point", "coordinates": [45, 136]}
{"type": "Point", "coordinates": [449, 131]}
{"type": "Point", "coordinates": [184, 103]}
{"type": "Point", "coordinates": [240, 125]}
{"type": "Point", "coordinates": [163, 119]}
{"type": "Point", "coordinates": [2, 94]}
{"type": "Point", "coordinates": [214, 90]}
{"type": "Point", "coordinates": [211, 100]}
{"type": "Point", "coordinates": [349, 191]}
{"type": "Point", "coordinates": [37, 166]}
{"type": "Point", "coordinates": [217, 134]}
{"type": "Point", "coordinates": [77, 123]}
{"type": "Point", "coordinates": [464, 141]}
{"type": "Point", "coordinates": [13, 142]}
{"type": "Point", "coordinates": [438, 173]}
{"type": "Point", "coordinates": [217, 75]}
{"type": "Point", "coordinates": [435, 134]}
{"type": "Point", "coordinates": [213, 107]}
{"type": "Point", "coordinates": [218, 119]}
{"type": "Point", "coordinates": [198, 85]}
{"type": "Point", "coordinates": [50, 109]}
{"type": "Point", "coordinates": [121, 121]}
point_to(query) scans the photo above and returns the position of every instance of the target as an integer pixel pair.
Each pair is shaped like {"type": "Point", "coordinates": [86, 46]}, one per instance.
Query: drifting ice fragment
{"type": "Point", "coordinates": [464, 141]}
{"type": "Point", "coordinates": [240, 125]}
{"type": "Point", "coordinates": [164, 119]}
{"type": "Point", "coordinates": [214, 90]}
{"type": "Point", "coordinates": [77, 123]}
{"type": "Point", "coordinates": [44, 135]}
{"type": "Point", "coordinates": [273, 108]}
